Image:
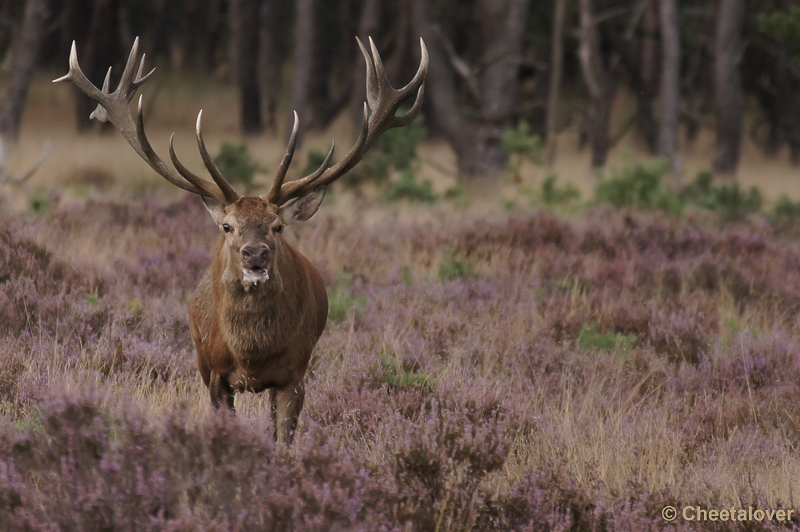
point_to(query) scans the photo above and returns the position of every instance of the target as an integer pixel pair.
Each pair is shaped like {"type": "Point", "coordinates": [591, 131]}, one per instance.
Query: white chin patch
{"type": "Point", "coordinates": [251, 277]}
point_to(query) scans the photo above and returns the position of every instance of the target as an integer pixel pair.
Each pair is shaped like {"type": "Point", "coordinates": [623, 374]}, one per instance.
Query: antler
{"type": "Point", "coordinates": [383, 101]}
{"type": "Point", "coordinates": [114, 107]}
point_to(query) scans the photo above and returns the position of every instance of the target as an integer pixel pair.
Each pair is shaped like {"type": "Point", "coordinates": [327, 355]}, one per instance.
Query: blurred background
{"type": "Point", "coordinates": [518, 90]}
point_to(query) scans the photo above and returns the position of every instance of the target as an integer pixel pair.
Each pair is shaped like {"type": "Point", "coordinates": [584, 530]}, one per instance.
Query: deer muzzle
{"type": "Point", "coordinates": [255, 259]}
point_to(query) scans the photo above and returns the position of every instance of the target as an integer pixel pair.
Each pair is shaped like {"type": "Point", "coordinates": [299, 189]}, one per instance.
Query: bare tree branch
{"type": "Point", "coordinates": [8, 177]}
{"type": "Point", "coordinates": [459, 65]}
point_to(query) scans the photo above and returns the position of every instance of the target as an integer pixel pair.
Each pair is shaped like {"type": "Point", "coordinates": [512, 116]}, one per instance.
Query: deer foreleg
{"type": "Point", "coordinates": [285, 406]}
{"type": "Point", "coordinates": [221, 391]}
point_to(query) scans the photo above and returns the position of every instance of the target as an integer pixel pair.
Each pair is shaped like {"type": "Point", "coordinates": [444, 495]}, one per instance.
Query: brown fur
{"type": "Point", "coordinates": [257, 337]}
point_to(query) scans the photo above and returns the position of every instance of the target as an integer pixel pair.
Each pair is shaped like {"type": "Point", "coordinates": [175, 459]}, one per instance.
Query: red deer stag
{"type": "Point", "coordinates": [261, 306]}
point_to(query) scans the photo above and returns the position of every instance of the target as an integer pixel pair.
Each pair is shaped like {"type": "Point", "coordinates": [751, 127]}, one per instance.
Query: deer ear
{"type": "Point", "coordinates": [304, 208]}
{"type": "Point", "coordinates": [214, 208]}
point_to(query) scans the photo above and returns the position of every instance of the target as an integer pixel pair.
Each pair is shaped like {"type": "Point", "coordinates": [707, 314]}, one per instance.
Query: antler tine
{"type": "Point", "coordinates": [187, 174]}
{"type": "Point", "coordinates": [380, 71]}
{"type": "Point", "coordinates": [76, 76]}
{"type": "Point", "coordinates": [419, 77]}
{"type": "Point", "coordinates": [372, 79]}
{"type": "Point", "coordinates": [411, 114]}
{"type": "Point", "coordinates": [299, 187]}
{"type": "Point", "coordinates": [139, 80]}
{"type": "Point", "coordinates": [126, 80]}
{"type": "Point", "coordinates": [324, 166]}
{"type": "Point", "coordinates": [199, 185]}
{"type": "Point", "coordinates": [100, 114]}
{"type": "Point", "coordinates": [384, 101]}
{"type": "Point", "coordinates": [231, 196]}
{"type": "Point", "coordinates": [115, 108]}
{"type": "Point", "coordinates": [273, 195]}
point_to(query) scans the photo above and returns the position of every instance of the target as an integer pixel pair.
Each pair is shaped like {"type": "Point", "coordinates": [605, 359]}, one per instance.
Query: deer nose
{"type": "Point", "coordinates": [255, 255]}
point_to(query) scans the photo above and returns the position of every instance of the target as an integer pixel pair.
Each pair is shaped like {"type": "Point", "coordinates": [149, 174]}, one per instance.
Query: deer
{"type": "Point", "coordinates": [261, 306]}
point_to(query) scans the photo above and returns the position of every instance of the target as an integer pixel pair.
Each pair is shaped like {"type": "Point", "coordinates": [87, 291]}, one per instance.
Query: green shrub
{"type": "Point", "coordinates": [236, 163]}
{"type": "Point", "coordinates": [451, 267]}
{"type": "Point", "coordinates": [731, 202]}
{"type": "Point", "coordinates": [553, 195]}
{"type": "Point", "coordinates": [639, 185]}
{"type": "Point", "coordinates": [728, 200]}
{"type": "Point", "coordinates": [32, 422]}
{"type": "Point", "coordinates": [520, 141]}
{"type": "Point", "coordinates": [93, 299]}
{"type": "Point", "coordinates": [785, 211]}
{"type": "Point", "coordinates": [699, 188]}
{"type": "Point", "coordinates": [521, 144]}
{"type": "Point", "coordinates": [408, 188]}
{"type": "Point", "coordinates": [39, 204]}
{"type": "Point", "coordinates": [396, 377]}
{"type": "Point", "coordinates": [590, 338]}
{"type": "Point", "coordinates": [456, 192]}
{"type": "Point", "coordinates": [341, 303]}
{"type": "Point", "coordinates": [781, 24]}
{"type": "Point", "coordinates": [407, 276]}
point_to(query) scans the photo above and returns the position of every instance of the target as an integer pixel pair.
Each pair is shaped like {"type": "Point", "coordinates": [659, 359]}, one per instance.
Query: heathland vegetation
{"type": "Point", "coordinates": [548, 361]}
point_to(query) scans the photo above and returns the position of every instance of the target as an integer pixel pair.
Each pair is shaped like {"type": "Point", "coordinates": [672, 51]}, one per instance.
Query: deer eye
{"type": "Point", "coordinates": [226, 228]}
{"type": "Point", "coordinates": [279, 229]}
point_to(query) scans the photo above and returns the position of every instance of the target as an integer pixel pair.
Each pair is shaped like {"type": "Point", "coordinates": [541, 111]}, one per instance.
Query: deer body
{"type": "Point", "coordinates": [249, 338]}
{"type": "Point", "coordinates": [253, 337]}
{"type": "Point", "coordinates": [261, 306]}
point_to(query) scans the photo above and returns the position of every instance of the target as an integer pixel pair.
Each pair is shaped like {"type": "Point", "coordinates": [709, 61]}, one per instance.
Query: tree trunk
{"type": "Point", "coordinates": [647, 81]}
{"type": "Point", "coordinates": [440, 86]}
{"type": "Point", "coordinates": [729, 99]}
{"type": "Point", "coordinates": [368, 26]}
{"type": "Point", "coordinates": [7, 31]}
{"type": "Point", "coordinates": [244, 23]}
{"type": "Point", "coordinates": [214, 30]}
{"type": "Point", "coordinates": [599, 83]}
{"type": "Point", "coordinates": [403, 63]}
{"type": "Point", "coordinates": [196, 34]}
{"type": "Point", "coordinates": [159, 46]}
{"type": "Point", "coordinates": [670, 85]}
{"type": "Point", "coordinates": [272, 51]}
{"type": "Point", "coordinates": [26, 52]}
{"type": "Point", "coordinates": [305, 34]}
{"type": "Point", "coordinates": [502, 27]}
{"type": "Point", "coordinates": [556, 68]}
{"type": "Point", "coordinates": [477, 138]}
{"type": "Point", "coordinates": [334, 48]}
{"type": "Point", "coordinates": [773, 103]}
{"type": "Point", "coordinates": [792, 110]}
